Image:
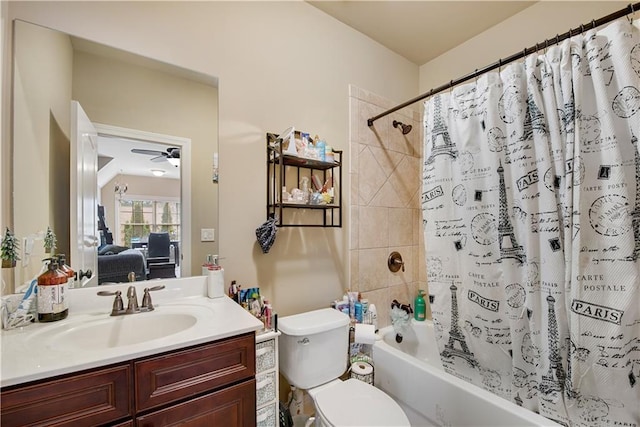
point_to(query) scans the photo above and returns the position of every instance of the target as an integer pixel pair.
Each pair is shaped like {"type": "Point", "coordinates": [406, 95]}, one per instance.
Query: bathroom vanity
{"type": "Point", "coordinates": [191, 360]}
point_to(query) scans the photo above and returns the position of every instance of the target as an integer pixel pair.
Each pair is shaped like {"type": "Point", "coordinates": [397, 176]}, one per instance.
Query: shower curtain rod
{"type": "Point", "coordinates": [630, 9]}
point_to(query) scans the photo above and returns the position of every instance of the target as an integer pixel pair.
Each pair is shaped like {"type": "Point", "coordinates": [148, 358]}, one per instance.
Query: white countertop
{"type": "Point", "coordinates": [27, 354]}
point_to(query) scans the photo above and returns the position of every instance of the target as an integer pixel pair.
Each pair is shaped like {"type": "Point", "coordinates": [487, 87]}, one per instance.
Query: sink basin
{"type": "Point", "coordinates": [108, 332]}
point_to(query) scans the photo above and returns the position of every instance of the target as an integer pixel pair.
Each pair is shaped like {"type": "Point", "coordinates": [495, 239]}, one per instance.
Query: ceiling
{"type": "Point", "coordinates": [421, 30]}
{"type": "Point", "coordinates": [115, 157]}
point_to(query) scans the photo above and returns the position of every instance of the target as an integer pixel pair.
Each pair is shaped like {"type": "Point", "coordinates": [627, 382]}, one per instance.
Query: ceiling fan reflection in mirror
{"type": "Point", "coordinates": [172, 155]}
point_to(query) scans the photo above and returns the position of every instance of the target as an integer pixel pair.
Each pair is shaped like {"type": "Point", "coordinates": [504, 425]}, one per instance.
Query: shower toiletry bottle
{"type": "Point", "coordinates": [328, 154]}
{"type": "Point", "coordinates": [52, 290]}
{"type": "Point", "coordinates": [215, 279]}
{"type": "Point", "coordinates": [373, 313]}
{"type": "Point", "coordinates": [321, 146]}
{"type": "Point", "coordinates": [420, 313]}
{"type": "Point", "coordinates": [267, 313]}
{"type": "Point", "coordinates": [358, 311]}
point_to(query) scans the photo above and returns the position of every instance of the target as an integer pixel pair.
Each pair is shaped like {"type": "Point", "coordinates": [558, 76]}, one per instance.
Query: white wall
{"type": "Point", "coordinates": [533, 25]}
{"type": "Point", "coordinates": [279, 64]}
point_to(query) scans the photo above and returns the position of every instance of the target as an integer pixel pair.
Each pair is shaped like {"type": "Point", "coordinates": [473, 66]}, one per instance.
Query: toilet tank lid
{"type": "Point", "coordinates": [312, 322]}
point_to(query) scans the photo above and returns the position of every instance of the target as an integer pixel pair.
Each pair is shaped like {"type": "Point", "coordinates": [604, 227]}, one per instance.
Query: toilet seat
{"type": "Point", "coordinates": [356, 403]}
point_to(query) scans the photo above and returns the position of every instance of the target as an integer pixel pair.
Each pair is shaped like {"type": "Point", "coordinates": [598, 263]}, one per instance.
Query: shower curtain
{"type": "Point", "coordinates": [531, 209]}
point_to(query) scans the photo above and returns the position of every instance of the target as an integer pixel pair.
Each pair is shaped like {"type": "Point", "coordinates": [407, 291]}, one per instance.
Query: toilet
{"type": "Point", "coordinates": [313, 355]}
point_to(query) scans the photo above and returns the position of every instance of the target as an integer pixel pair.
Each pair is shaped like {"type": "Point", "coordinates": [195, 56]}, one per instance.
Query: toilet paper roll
{"type": "Point", "coordinates": [365, 334]}
{"type": "Point", "coordinates": [362, 371]}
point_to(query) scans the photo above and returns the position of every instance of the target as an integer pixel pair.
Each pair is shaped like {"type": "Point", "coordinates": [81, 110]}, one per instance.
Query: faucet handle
{"type": "Point", "coordinates": [118, 305]}
{"type": "Point", "coordinates": [146, 298]}
{"type": "Point", "coordinates": [132, 298]}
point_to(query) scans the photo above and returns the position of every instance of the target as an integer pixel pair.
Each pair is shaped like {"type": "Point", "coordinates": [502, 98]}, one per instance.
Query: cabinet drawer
{"type": "Point", "coordinates": [265, 388]}
{"type": "Point", "coordinates": [90, 399]}
{"type": "Point", "coordinates": [167, 378]}
{"type": "Point", "coordinates": [265, 355]}
{"type": "Point", "coordinates": [268, 416]}
{"type": "Point", "coordinates": [231, 407]}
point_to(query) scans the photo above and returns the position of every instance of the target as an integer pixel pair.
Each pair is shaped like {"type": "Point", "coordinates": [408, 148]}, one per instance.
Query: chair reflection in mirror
{"type": "Point", "coordinates": [158, 256]}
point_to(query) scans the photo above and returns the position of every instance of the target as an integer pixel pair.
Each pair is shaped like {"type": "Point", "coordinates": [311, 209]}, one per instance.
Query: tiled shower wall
{"type": "Point", "coordinates": [386, 179]}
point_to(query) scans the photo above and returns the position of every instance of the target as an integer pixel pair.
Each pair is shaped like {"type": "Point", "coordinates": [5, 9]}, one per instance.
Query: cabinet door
{"type": "Point", "coordinates": [178, 375]}
{"type": "Point", "coordinates": [89, 399]}
{"type": "Point", "coordinates": [234, 406]}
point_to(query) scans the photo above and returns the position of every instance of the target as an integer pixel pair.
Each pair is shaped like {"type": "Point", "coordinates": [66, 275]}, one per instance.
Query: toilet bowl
{"type": "Point", "coordinates": [355, 403]}
{"type": "Point", "coordinates": [313, 355]}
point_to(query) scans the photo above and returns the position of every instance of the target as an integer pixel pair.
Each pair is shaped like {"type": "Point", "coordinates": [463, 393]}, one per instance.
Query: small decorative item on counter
{"type": "Point", "coordinates": [52, 290]}
{"type": "Point", "coordinates": [9, 249]}
{"type": "Point", "coordinates": [50, 241]}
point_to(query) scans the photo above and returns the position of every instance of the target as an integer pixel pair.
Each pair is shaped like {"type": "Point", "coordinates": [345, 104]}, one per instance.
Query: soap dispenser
{"type": "Point", "coordinates": [52, 289]}
{"type": "Point", "coordinates": [215, 279]}
{"type": "Point", "coordinates": [420, 312]}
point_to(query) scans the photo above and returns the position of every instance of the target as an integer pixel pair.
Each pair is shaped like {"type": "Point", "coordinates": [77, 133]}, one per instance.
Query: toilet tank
{"type": "Point", "coordinates": [313, 347]}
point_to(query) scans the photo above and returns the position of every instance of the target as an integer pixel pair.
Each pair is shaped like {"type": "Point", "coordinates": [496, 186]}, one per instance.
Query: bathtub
{"type": "Point", "coordinates": [411, 373]}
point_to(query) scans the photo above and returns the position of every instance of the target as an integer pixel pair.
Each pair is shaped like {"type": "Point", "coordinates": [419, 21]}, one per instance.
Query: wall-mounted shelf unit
{"type": "Point", "coordinates": [287, 170]}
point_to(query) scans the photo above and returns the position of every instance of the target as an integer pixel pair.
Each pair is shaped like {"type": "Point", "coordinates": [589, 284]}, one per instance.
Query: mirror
{"type": "Point", "coordinates": [135, 103]}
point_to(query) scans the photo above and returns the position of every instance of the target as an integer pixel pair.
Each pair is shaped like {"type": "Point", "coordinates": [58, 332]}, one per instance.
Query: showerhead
{"type": "Point", "coordinates": [404, 128]}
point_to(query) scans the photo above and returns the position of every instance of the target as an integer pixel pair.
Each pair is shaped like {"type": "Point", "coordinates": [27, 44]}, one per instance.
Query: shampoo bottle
{"type": "Point", "coordinates": [52, 290]}
{"type": "Point", "coordinates": [420, 313]}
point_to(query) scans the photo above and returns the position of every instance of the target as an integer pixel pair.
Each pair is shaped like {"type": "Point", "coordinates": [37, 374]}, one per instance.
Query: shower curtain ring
{"type": "Point", "coordinates": [630, 18]}
{"type": "Point", "coordinates": [581, 28]}
{"type": "Point", "coordinates": [476, 76]}
{"type": "Point", "coordinates": [557, 39]}
{"type": "Point", "coordinates": [499, 65]}
{"type": "Point", "coordinates": [593, 24]}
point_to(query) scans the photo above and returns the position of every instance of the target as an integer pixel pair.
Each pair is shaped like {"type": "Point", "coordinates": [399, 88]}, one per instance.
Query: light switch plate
{"type": "Point", "coordinates": [207, 235]}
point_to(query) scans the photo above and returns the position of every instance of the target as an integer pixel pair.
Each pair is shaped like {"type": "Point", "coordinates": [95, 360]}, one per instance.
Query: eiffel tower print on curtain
{"type": "Point", "coordinates": [440, 131]}
{"type": "Point", "coordinates": [554, 380]}
{"type": "Point", "coordinates": [635, 214]}
{"type": "Point", "coordinates": [456, 336]}
{"type": "Point", "coordinates": [533, 121]}
{"type": "Point", "coordinates": [509, 248]}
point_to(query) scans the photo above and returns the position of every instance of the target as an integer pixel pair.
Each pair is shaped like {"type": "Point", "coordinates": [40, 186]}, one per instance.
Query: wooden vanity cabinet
{"type": "Point", "coordinates": [206, 385]}
{"type": "Point", "coordinates": [90, 398]}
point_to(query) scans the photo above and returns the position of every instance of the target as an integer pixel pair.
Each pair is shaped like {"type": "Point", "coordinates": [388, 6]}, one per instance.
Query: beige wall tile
{"type": "Point", "coordinates": [354, 221]}
{"type": "Point", "coordinates": [388, 160]}
{"type": "Point", "coordinates": [354, 267]}
{"type": "Point", "coordinates": [373, 227]}
{"type": "Point", "coordinates": [376, 134]}
{"type": "Point", "coordinates": [372, 269]}
{"type": "Point", "coordinates": [388, 197]}
{"type": "Point", "coordinates": [371, 178]}
{"type": "Point", "coordinates": [401, 226]}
